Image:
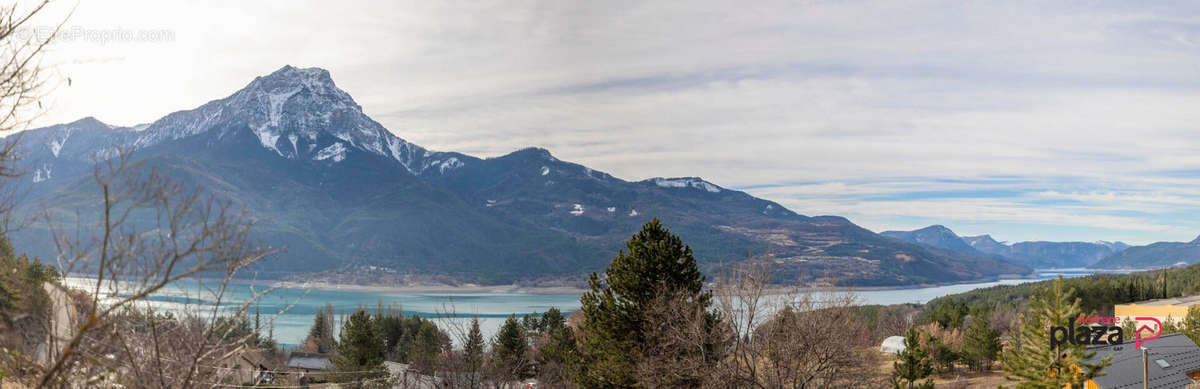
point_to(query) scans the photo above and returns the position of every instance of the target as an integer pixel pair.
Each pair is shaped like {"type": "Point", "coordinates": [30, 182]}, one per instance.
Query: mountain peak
{"type": "Point", "coordinates": [296, 113]}
{"type": "Point", "coordinates": [289, 81]}
{"type": "Point", "coordinates": [935, 235]}
{"type": "Point", "coordinates": [310, 74]}
{"type": "Point", "coordinates": [89, 122]}
{"type": "Point", "coordinates": [533, 152]}
{"type": "Point", "coordinates": [937, 228]}
{"type": "Point", "coordinates": [1195, 241]}
{"type": "Point", "coordinates": [977, 240]}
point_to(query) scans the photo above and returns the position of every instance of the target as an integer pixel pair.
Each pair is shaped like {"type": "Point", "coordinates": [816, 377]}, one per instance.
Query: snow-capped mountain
{"type": "Point", "coordinates": [339, 191]}
{"type": "Point", "coordinates": [298, 114]}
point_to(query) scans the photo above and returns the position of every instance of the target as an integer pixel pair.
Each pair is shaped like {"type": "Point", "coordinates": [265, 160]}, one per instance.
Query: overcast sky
{"type": "Point", "coordinates": [1012, 118]}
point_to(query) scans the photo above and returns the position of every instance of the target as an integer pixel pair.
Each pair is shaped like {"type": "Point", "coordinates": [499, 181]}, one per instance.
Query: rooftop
{"type": "Point", "coordinates": [309, 361]}
{"type": "Point", "coordinates": [1174, 301]}
{"type": "Point", "coordinates": [1172, 357]}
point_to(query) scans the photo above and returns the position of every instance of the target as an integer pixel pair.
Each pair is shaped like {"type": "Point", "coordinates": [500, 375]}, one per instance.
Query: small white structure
{"type": "Point", "coordinates": [893, 344]}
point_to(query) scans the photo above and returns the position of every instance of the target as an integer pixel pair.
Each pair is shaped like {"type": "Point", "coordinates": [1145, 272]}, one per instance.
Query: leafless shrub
{"type": "Point", "coordinates": [453, 368]}
{"type": "Point", "coordinates": [893, 321]}
{"type": "Point", "coordinates": [684, 344]}
{"type": "Point", "coordinates": [153, 232]}
{"type": "Point", "coordinates": [790, 339]}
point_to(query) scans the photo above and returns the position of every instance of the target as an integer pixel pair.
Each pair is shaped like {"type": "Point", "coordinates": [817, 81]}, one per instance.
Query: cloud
{"type": "Point", "coordinates": [1058, 120]}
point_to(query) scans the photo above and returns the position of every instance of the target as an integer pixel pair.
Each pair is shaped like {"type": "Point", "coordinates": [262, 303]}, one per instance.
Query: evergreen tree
{"type": "Point", "coordinates": [360, 349]}
{"type": "Point", "coordinates": [235, 328]}
{"type": "Point", "coordinates": [473, 353]}
{"type": "Point", "coordinates": [1191, 324]}
{"type": "Point", "coordinates": [1128, 328]}
{"type": "Point", "coordinates": [980, 343]}
{"type": "Point", "coordinates": [912, 364]}
{"type": "Point", "coordinates": [654, 262]}
{"type": "Point", "coordinates": [320, 335]}
{"type": "Point", "coordinates": [556, 350]}
{"type": "Point", "coordinates": [1171, 326]}
{"type": "Point", "coordinates": [942, 354]}
{"type": "Point", "coordinates": [1029, 359]}
{"type": "Point", "coordinates": [21, 291]}
{"type": "Point", "coordinates": [427, 346]}
{"type": "Point", "coordinates": [412, 339]}
{"type": "Point", "coordinates": [510, 352]}
{"type": "Point", "coordinates": [258, 327]}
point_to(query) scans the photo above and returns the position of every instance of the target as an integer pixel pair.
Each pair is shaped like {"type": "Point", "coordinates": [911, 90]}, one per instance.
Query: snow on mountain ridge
{"type": "Point", "coordinates": [684, 182]}
{"type": "Point", "coordinates": [294, 113]}
{"type": "Point", "coordinates": [288, 111]}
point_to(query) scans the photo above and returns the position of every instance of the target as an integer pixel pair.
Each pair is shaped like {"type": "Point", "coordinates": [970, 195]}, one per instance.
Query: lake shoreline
{"type": "Point", "coordinates": [432, 288]}
{"type": "Point", "coordinates": [535, 290]}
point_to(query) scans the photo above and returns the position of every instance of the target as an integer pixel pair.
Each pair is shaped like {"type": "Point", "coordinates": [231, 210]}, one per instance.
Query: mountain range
{"type": "Point", "coordinates": [352, 202]}
{"type": "Point", "coordinates": [1038, 254]}
{"type": "Point", "coordinates": [1160, 254]}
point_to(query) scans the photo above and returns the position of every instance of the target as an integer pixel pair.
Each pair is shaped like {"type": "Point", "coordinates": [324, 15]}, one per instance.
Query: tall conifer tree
{"type": "Point", "coordinates": [980, 342]}
{"type": "Point", "coordinates": [360, 348]}
{"type": "Point", "coordinates": [510, 352]}
{"type": "Point", "coordinates": [654, 262]}
{"type": "Point", "coordinates": [1030, 360]}
{"type": "Point", "coordinates": [473, 353]}
{"type": "Point", "coordinates": [912, 364]}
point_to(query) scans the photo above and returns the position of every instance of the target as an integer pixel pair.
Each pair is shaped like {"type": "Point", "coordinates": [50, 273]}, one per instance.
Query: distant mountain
{"type": "Point", "coordinates": [1061, 254]}
{"type": "Point", "coordinates": [985, 244]}
{"type": "Point", "coordinates": [344, 194]}
{"type": "Point", "coordinates": [1114, 246]}
{"type": "Point", "coordinates": [1032, 254]}
{"type": "Point", "coordinates": [935, 235]}
{"type": "Point", "coordinates": [1158, 254]}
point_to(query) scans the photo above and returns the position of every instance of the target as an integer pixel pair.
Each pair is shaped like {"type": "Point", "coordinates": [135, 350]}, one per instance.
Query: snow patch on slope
{"type": "Point", "coordinates": [57, 144]}
{"type": "Point", "coordinates": [268, 139]}
{"type": "Point", "coordinates": [275, 100]}
{"type": "Point", "coordinates": [686, 182]}
{"type": "Point", "coordinates": [442, 165]}
{"type": "Point", "coordinates": [41, 173]}
{"type": "Point", "coordinates": [450, 163]}
{"type": "Point", "coordinates": [336, 151]}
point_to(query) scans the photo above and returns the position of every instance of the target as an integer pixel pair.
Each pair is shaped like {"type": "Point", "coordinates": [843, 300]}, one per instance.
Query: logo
{"type": "Point", "coordinates": [1086, 335]}
{"type": "Point", "coordinates": [1094, 330]}
{"type": "Point", "coordinates": [1137, 334]}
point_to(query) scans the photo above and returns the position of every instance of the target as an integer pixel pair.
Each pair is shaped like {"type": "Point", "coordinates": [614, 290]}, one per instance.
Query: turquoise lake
{"type": "Point", "coordinates": [291, 326]}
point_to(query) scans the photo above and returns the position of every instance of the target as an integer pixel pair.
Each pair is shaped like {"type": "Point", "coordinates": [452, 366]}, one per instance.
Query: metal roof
{"type": "Point", "coordinates": [309, 361]}
{"type": "Point", "coordinates": [1179, 353]}
{"type": "Point", "coordinates": [1173, 301]}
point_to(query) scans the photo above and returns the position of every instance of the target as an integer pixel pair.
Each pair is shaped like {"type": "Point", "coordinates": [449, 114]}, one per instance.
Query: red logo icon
{"type": "Point", "coordinates": [1137, 334]}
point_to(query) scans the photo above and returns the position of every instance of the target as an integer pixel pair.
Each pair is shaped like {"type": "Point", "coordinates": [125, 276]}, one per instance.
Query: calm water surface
{"type": "Point", "coordinates": [299, 305]}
